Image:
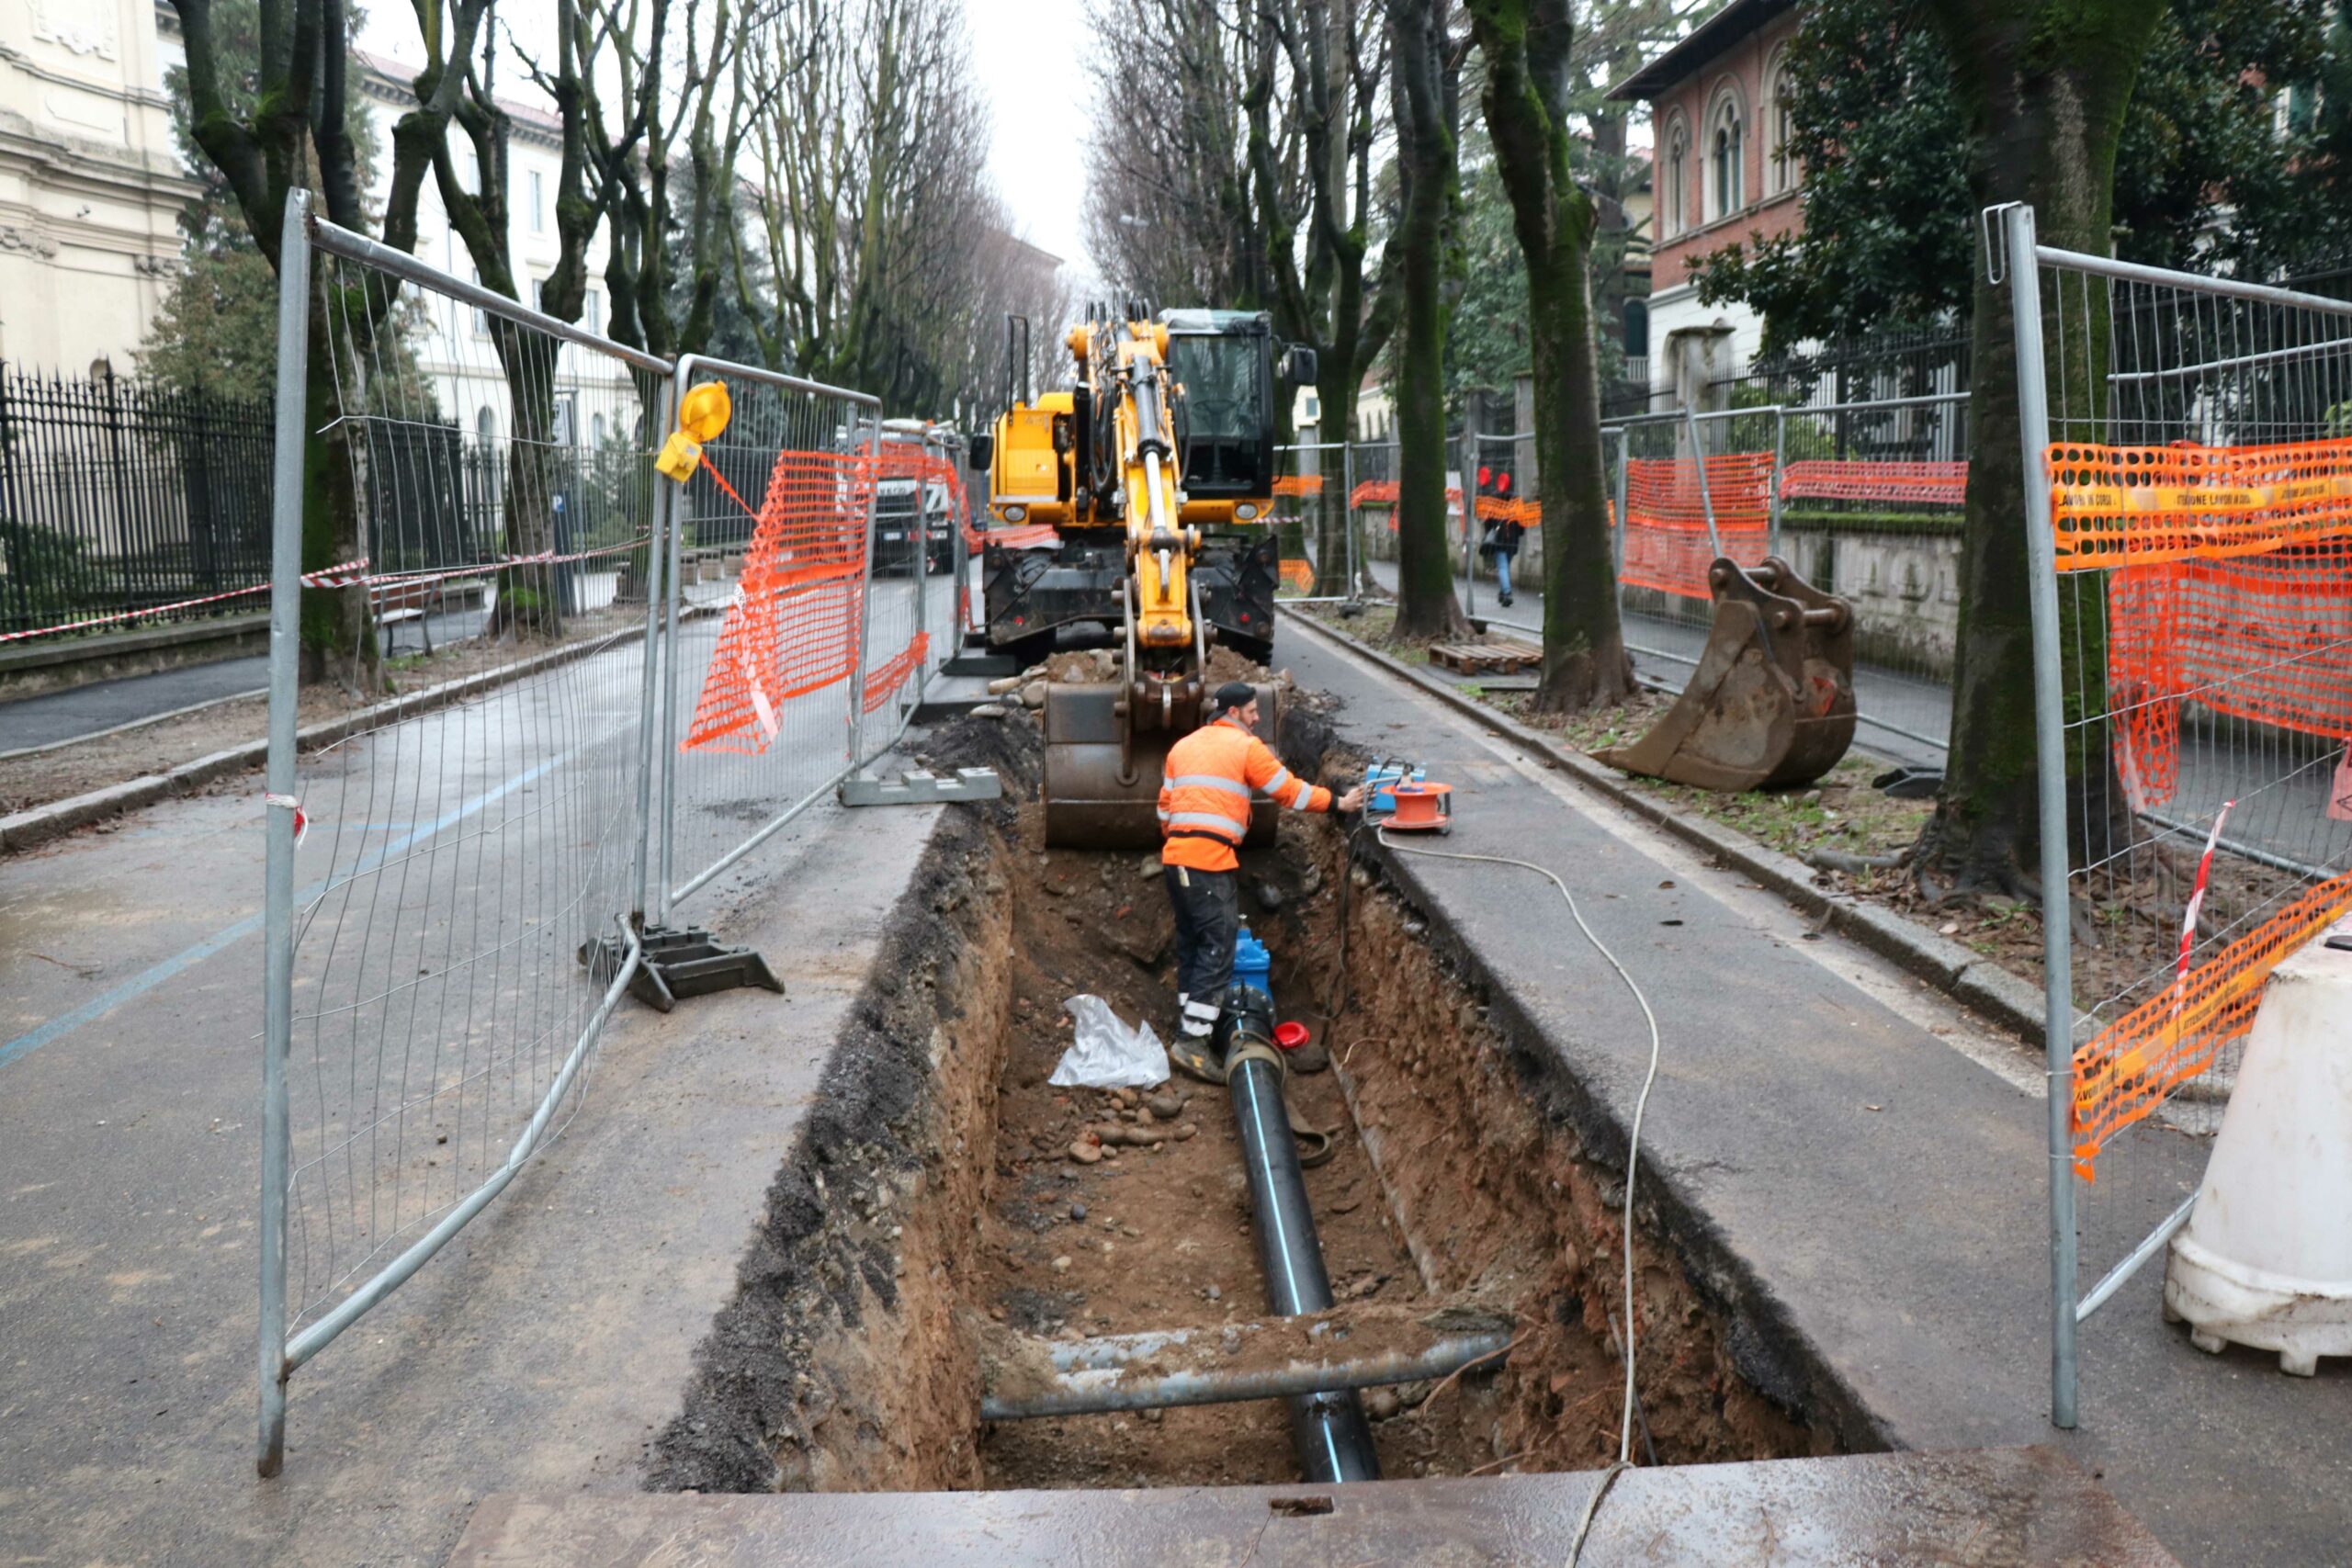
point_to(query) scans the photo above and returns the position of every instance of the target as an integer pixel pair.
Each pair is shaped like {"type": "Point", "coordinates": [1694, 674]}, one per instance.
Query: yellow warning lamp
{"type": "Point", "coordinates": [702, 414]}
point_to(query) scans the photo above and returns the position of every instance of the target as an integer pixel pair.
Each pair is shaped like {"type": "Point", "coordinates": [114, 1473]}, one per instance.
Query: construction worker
{"type": "Point", "coordinates": [1203, 813]}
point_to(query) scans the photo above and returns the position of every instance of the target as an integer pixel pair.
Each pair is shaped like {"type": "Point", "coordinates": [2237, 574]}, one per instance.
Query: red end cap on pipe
{"type": "Point", "coordinates": [1290, 1036]}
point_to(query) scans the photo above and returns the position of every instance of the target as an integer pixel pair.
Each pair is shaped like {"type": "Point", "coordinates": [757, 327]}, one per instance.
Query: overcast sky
{"type": "Point", "coordinates": [1025, 59]}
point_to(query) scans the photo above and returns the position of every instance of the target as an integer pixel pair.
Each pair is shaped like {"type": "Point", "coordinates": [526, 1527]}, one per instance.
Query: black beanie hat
{"type": "Point", "coordinates": [1233, 697]}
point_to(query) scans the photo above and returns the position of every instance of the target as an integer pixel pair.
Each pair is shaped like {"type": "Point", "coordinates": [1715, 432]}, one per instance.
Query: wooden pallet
{"type": "Point", "coordinates": [1499, 657]}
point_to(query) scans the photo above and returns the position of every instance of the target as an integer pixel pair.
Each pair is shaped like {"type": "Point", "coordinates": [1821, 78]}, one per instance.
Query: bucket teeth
{"type": "Point", "coordinates": [1771, 703]}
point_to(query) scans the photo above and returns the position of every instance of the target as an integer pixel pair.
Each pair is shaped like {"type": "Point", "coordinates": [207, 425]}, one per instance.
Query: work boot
{"type": "Point", "coordinates": [1196, 1056]}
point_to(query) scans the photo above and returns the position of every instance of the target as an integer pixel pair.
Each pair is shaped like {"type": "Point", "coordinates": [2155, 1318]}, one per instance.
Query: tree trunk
{"type": "Point", "coordinates": [1335, 395]}
{"type": "Point", "coordinates": [2044, 86]}
{"type": "Point", "coordinates": [1426, 607]}
{"type": "Point", "coordinates": [338, 634]}
{"type": "Point", "coordinates": [1527, 44]}
{"type": "Point", "coordinates": [529, 602]}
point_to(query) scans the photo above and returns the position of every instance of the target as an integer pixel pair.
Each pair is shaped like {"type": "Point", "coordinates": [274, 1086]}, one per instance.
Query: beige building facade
{"type": "Point", "coordinates": [91, 186]}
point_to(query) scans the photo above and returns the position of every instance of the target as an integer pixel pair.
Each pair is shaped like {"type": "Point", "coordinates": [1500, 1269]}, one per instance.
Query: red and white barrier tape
{"type": "Point", "coordinates": [331, 577]}
{"type": "Point", "coordinates": [2195, 903]}
{"type": "Point", "coordinates": [301, 819]}
{"type": "Point", "coordinates": [351, 573]}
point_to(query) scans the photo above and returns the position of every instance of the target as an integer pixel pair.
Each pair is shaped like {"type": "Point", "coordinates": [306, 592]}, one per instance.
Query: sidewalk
{"type": "Point", "coordinates": [541, 1351]}
{"type": "Point", "coordinates": [79, 711]}
{"type": "Point", "coordinates": [1854, 1164]}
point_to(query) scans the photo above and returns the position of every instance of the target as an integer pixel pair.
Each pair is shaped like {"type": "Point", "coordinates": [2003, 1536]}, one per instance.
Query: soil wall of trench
{"type": "Point", "coordinates": [932, 1210]}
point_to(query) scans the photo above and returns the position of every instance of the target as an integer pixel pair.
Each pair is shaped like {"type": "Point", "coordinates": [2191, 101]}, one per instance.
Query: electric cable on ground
{"type": "Point", "coordinates": [1633, 1157]}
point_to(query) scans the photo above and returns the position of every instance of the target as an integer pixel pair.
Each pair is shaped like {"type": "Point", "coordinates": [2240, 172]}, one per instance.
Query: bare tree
{"type": "Point", "coordinates": [1173, 212]}
{"type": "Point", "coordinates": [482, 212]}
{"type": "Point", "coordinates": [681, 103]}
{"type": "Point", "coordinates": [874, 207]}
{"type": "Point", "coordinates": [1333, 55]}
{"type": "Point", "coordinates": [288, 128]}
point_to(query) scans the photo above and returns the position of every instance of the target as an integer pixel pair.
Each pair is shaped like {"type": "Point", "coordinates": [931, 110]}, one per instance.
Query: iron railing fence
{"type": "Point", "coordinates": [121, 497]}
{"type": "Point", "coordinates": [434, 883]}
{"type": "Point", "coordinates": [1873, 368]}
{"type": "Point", "coordinates": [2185, 443]}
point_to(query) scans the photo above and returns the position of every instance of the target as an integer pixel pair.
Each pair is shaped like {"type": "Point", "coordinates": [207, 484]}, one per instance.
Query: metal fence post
{"type": "Point", "coordinates": [1699, 466]}
{"type": "Point", "coordinates": [1773, 494]}
{"type": "Point", "coordinates": [2050, 753]}
{"type": "Point", "coordinates": [659, 629]}
{"type": "Point", "coordinates": [1348, 517]}
{"type": "Point", "coordinates": [1625, 462]}
{"type": "Point", "coordinates": [865, 596]}
{"type": "Point", "coordinates": [667, 740]}
{"type": "Point", "coordinates": [1469, 511]}
{"type": "Point", "coordinates": [277, 960]}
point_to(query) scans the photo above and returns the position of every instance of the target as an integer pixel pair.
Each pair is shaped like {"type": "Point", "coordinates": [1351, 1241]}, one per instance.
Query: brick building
{"type": "Point", "coordinates": [1720, 176]}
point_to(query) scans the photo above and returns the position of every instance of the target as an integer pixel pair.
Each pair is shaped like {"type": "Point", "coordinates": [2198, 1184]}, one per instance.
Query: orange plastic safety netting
{"type": "Point", "coordinates": [2127, 1069]}
{"type": "Point", "coordinates": [2267, 639]}
{"type": "Point", "coordinates": [1667, 545]}
{"type": "Point", "coordinates": [1382, 492]}
{"type": "Point", "coordinates": [1890, 482]}
{"type": "Point", "coordinates": [2229, 586]}
{"type": "Point", "coordinates": [2117, 506]}
{"type": "Point", "coordinates": [887, 677]}
{"type": "Point", "coordinates": [792, 626]}
{"type": "Point", "coordinates": [1298, 575]}
{"type": "Point", "coordinates": [1298, 484]}
{"type": "Point", "coordinates": [1512, 509]}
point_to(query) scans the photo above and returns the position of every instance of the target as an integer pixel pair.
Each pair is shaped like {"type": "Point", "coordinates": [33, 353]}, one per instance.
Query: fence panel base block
{"type": "Point", "coordinates": [680, 963]}
{"type": "Point", "coordinates": [919, 786]}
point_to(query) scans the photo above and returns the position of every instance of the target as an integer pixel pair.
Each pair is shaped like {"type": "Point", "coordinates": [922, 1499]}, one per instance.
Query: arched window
{"type": "Point", "coordinates": [486, 426]}
{"type": "Point", "coordinates": [596, 429]}
{"type": "Point", "coordinates": [1780, 161]}
{"type": "Point", "coordinates": [1637, 329]}
{"type": "Point", "coordinates": [1672, 198]}
{"type": "Point", "coordinates": [1726, 156]}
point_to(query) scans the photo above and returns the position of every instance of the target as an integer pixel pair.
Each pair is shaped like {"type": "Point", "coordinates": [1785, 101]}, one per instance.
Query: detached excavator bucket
{"type": "Point", "coordinates": [1102, 789]}
{"type": "Point", "coordinates": [1771, 703]}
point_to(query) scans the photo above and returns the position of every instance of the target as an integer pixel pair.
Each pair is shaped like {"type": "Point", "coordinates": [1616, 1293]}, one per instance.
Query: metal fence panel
{"type": "Point", "coordinates": [2188, 450]}
{"type": "Point", "coordinates": [449, 896]}
{"type": "Point", "coordinates": [1311, 481]}
{"type": "Point", "coordinates": [777, 529]}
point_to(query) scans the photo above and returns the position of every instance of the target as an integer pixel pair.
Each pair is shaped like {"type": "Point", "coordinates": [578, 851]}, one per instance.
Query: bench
{"type": "Point", "coordinates": [394, 604]}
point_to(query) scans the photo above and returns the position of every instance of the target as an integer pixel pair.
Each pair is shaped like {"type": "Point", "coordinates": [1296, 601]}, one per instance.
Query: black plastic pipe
{"type": "Point", "coordinates": [1333, 1438]}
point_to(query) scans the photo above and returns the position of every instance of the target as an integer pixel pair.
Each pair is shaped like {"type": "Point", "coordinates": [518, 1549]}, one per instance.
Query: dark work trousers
{"type": "Point", "coordinates": [1208, 917]}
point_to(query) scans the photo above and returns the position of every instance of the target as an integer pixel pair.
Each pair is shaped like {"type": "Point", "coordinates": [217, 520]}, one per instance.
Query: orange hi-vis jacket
{"type": "Point", "coordinates": [1204, 795]}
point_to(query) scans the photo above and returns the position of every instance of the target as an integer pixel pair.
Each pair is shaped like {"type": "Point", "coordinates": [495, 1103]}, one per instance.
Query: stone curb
{"type": "Point", "coordinates": [1967, 977]}
{"type": "Point", "coordinates": [23, 829]}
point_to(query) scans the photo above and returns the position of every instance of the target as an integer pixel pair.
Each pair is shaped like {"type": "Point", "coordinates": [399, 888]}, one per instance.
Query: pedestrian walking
{"type": "Point", "coordinates": [1500, 545]}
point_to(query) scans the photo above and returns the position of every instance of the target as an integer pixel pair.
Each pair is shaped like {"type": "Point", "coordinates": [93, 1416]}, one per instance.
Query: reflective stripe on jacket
{"type": "Point", "coordinates": [1206, 790]}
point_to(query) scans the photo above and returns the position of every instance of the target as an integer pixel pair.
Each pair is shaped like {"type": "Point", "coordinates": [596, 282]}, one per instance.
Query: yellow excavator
{"type": "Point", "coordinates": [1138, 501]}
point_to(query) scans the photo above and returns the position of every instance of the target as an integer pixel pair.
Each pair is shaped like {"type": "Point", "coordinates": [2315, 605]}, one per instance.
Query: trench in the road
{"type": "Point", "coordinates": [931, 1226]}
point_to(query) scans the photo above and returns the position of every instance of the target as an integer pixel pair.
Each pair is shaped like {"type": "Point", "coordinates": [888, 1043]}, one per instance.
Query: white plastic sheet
{"type": "Point", "coordinates": [1106, 1053]}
